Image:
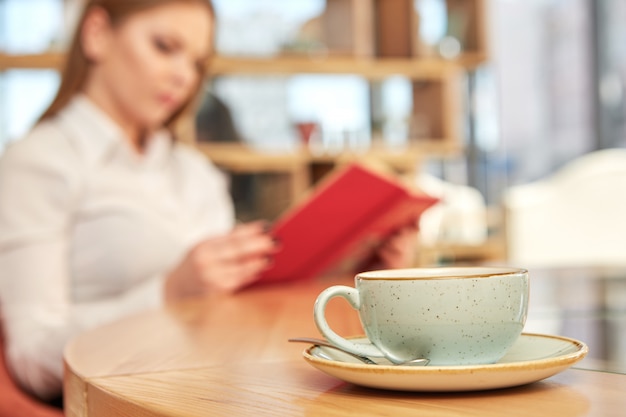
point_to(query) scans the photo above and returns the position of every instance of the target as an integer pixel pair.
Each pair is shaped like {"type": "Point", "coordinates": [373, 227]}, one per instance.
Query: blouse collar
{"type": "Point", "coordinates": [98, 137]}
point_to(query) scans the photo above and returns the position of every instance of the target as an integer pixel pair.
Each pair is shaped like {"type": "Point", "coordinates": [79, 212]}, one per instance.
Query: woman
{"type": "Point", "coordinates": [102, 212]}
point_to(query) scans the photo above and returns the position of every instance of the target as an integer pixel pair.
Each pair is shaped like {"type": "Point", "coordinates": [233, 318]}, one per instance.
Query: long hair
{"type": "Point", "coordinates": [76, 68]}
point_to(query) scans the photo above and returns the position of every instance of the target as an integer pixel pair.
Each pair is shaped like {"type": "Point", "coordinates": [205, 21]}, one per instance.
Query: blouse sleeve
{"type": "Point", "coordinates": [39, 188]}
{"type": "Point", "coordinates": [36, 196]}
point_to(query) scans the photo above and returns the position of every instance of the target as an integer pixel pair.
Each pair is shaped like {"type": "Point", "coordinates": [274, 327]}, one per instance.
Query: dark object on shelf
{"type": "Point", "coordinates": [214, 121]}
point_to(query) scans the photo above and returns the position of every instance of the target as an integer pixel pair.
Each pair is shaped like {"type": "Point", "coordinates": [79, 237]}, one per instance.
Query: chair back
{"type": "Point", "coordinates": [575, 217]}
{"type": "Point", "coordinates": [16, 403]}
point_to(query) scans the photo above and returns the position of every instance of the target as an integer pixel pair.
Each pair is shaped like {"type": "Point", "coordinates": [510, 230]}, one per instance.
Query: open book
{"type": "Point", "coordinates": [345, 217]}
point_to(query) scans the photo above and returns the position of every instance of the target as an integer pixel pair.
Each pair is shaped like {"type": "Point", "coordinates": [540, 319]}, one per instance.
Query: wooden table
{"type": "Point", "coordinates": [229, 356]}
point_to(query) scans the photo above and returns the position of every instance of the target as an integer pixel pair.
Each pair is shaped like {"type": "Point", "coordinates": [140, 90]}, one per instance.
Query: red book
{"type": "Point", "coordinates": [346, 216]}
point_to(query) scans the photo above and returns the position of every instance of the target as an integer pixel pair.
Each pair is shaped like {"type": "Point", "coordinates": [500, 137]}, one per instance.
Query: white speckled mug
{"type": "Point", "coordinates": [450, 315]}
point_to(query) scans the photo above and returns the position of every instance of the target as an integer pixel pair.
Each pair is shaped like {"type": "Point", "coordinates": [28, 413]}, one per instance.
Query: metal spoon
{"type": "Point", "coordinates": [364, 359]}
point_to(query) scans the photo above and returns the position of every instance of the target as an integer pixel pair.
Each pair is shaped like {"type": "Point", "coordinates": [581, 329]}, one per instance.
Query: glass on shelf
{"type": "Point", "coordinates": [396, 105]}
{"type": "Point", "coordinates": [338, 104]}
{"type": "Point", "coordinates": [444, 27]}
{"type": "Point", "coordinates": [431, 26]}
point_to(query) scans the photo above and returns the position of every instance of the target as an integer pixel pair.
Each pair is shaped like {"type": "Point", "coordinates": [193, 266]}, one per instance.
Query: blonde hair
{"type": "Point", "coordinates": [76, 67]}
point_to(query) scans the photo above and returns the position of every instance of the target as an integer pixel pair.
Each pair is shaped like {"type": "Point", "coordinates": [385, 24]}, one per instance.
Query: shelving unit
{"type": "Point", "coordinates": [374, 39]}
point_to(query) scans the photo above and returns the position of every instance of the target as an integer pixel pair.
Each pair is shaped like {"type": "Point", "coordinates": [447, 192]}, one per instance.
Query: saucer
{"type": "Point", "coordinates": [532, 358]}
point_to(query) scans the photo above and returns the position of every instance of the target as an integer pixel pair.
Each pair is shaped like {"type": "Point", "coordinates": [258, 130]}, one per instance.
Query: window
{"type": "Point", "coordinates": [26, 27]}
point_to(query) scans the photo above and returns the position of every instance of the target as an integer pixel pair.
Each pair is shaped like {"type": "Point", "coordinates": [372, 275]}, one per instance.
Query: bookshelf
{"type": "Point", "coordinates": [357, 35]}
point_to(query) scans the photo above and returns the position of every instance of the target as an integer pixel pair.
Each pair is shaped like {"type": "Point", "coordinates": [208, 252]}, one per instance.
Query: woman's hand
{"type": "Point", "coordinates": [398, 251]}
{"type": "Point", "coordinates": [223, 264]}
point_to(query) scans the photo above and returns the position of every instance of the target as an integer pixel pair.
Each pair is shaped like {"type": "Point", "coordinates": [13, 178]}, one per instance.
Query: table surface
{"type": "Point", "coordinates": [229, 356]}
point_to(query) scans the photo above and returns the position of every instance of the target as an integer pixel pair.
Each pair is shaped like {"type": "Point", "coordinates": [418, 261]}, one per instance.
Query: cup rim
{"type": "Point", "coordinates": [440, 273]}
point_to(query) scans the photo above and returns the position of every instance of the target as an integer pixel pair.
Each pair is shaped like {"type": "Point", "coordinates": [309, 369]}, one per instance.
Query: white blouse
{"type": "Point", "coordinates": [88, 230]}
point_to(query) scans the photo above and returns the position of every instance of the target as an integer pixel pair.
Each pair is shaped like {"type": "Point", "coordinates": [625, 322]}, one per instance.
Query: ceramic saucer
{"type": "Point", "coordinates": [532, 358]}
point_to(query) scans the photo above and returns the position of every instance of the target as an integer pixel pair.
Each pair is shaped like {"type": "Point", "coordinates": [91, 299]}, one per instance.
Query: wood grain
{"type": "Point", "coordinates": [229, 356]}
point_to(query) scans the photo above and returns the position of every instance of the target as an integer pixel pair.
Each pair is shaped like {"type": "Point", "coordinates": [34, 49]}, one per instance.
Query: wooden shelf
{"type": "Point", "coordinates": [283, 65]}
{"type": "Point", "coordinates": [46, 60]}
{"type": "Point", "coordinates": [492, 250]}
{"type": "Point", "coordinates": [240, 158]}
{"type": "Point", "coordinates": [367, 67]}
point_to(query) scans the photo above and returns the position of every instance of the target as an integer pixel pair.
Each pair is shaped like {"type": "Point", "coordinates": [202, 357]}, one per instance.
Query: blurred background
{"type": "Point", "coordinates": [466, 98]}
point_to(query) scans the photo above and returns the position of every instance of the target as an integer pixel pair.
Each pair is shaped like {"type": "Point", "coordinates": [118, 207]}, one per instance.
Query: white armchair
{"type": "Point", "coordinates": [575, 217]}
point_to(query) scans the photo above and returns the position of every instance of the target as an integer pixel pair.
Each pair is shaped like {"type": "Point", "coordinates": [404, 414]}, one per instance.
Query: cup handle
{"type": "Point", "coordinates": [352, 296]}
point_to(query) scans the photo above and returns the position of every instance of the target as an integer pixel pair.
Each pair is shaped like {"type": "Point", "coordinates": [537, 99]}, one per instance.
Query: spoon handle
{"type": "Point", "coordinates": [320, 342]}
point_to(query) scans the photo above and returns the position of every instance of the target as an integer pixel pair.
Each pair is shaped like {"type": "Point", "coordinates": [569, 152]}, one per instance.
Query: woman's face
{"type": "Point", "coordinates": [148, 65]}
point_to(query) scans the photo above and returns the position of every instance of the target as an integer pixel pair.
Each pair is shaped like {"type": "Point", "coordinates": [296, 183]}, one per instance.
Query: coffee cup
{"type": "Point", "coordinates": [449, 315]}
